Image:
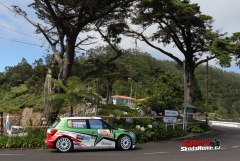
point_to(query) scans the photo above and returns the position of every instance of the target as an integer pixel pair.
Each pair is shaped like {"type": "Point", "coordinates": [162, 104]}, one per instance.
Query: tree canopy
{"type": "Point", "coordinates": [180, 24]}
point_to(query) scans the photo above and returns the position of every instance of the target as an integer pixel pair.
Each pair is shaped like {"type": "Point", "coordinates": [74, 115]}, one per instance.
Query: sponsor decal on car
{"type": "Point", "coordinates": [104, 133]}
{"type": "Point", "coordinates": [80, 136]}
{"type": "Point", "coordinates": [93, 137]}
{"type": "Point", "coordinates": [87, 138]}
{"type": "Point", "coordinates": [106, 143]}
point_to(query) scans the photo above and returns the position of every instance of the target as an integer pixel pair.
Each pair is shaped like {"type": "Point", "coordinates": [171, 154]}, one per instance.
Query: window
{"type": "Point", "coordinates": [77, 124]}
{"type": "Point", "coordinates": [55, 123]}
{"type": "Point", "coordinates": [99, 124]}
{"type": "Point", "coordinates": [96, 124]}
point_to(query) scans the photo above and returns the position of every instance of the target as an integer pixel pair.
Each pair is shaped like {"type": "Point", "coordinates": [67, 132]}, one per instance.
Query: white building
{"type": "Point", "coordinates": [127, 101]}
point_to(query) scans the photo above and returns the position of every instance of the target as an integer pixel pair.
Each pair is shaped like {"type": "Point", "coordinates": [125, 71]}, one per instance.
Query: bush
{"type": "Point", "coordinates": [112, 107]}
{"type": "Point", "coordinates": [158, 133]}
{"type": "Point", "coordinates": [34, 139]}
{"type": "Point", "coordinates": [205, 126]}
{"type": "Point", "coordinates": [195, 128]}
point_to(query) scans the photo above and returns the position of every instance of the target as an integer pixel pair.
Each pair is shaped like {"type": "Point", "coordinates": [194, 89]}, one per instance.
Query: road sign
{"type": "Point", "coordinates": [171, 113]}
{"type": "Point", "coordinates": [170, 119]}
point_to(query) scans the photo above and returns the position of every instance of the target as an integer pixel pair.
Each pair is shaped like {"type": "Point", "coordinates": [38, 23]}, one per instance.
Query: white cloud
{"type": "Point", "coordinates": [225, 13]}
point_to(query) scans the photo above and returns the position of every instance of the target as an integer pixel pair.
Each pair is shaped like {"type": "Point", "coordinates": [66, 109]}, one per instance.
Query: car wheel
{"type": "Point", "coordinates": [124, 142]}
{"type": "Point", "coordinates": [63, 144]}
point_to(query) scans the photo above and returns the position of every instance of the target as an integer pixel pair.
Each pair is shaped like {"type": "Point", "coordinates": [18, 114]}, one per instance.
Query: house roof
{"type": "Point", "coordinates": [123, 97]}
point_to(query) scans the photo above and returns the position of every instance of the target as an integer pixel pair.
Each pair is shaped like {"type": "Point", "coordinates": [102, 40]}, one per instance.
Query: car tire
{"type": "Point", "coordinates": [64, 144]}
{"type": "Point", "coordinates": [124, 142]}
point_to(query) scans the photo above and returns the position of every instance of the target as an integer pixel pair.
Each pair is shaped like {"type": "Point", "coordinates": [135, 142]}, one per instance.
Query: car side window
{"type": "Point", "coordinates": [78, 124]}
{"type": "Point", "coordinates": [99, 124]}
{"type": "Point", "coordinates": [95, 124]}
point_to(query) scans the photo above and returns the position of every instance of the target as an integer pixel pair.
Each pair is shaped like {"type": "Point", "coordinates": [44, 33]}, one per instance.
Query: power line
{"type": "Point", "coordinates": [12, 29]}
{"type": "Point", "coordinates": [21, 42]}
{"type": "Point", "coordinates": [19, 32]}
{"type": "Point", "coordinates": [6, 7]}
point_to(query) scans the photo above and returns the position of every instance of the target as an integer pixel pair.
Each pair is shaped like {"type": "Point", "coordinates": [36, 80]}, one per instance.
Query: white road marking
{"type": "Point", "coordinates": [12, 154]}
{"type": "Point", "coordinates": [156, 153]}
{"type": "Point", "coordinates": [235, 146]}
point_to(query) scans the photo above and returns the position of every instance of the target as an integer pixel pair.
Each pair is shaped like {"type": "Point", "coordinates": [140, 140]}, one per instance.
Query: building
{"type": "Point", "coordinates": [127, 101]}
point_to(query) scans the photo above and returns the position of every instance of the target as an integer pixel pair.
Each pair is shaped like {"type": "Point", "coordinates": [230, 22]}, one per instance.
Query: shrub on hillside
{"type": "Point", "coordinates": [34, 139]}
{"type": "Point", "coordinates": [157, 133]}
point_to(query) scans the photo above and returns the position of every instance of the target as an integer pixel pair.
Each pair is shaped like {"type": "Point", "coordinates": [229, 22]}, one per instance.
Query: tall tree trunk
{"type": "Point", "coordinates": [109, 93]}
{"type": "Point", "coordinates": [189, 75]}
{"type": "Point", "coordinates": [47, 103]}
{"type": "Point", "coordinates": [66, 63]}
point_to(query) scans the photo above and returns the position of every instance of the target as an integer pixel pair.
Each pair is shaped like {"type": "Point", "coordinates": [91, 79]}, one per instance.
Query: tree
{"type": "Point", "coordinates": [65, 24]}
{"type": "Point", "coordinates": [230, 45]}
{"type": "Point", "coordinates": [18, 74]}
{"type": "Point", "coordinates": [182, 25]}
{"type": "Point", "coordinates": [75, 92]}
{"type": "Point", "coordinates": [166, 94]}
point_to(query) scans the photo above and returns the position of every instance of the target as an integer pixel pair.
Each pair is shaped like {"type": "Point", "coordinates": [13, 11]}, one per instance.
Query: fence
{"type": "Point", "coordinates": [15, 119]}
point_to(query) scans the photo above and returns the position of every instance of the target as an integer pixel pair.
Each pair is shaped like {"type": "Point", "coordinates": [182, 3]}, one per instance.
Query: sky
{"type": "Point", "coordinates": [18, 39]}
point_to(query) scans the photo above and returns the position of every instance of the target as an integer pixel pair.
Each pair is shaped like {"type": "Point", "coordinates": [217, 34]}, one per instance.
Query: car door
{"type": "Point", "coordinates": [81, 133]}
{"type": "Point", "coordinates": [104, 133]}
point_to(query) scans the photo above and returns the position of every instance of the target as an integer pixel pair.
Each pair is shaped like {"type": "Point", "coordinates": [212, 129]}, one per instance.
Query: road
{"type": "Point", "coordinates": [165, 151]}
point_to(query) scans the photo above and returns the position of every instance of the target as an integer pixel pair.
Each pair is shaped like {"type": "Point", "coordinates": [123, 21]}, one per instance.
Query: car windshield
{"type": "Point", "coordinates": [55, 123]}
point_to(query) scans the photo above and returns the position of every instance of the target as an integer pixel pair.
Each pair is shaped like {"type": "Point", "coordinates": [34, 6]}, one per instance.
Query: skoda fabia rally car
{"type": "Point", "coordinates": [87, 132]}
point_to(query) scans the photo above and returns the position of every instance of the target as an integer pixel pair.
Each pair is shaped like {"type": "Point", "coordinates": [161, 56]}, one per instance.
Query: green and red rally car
{"type": "Point", "coordinates": [87, 132]}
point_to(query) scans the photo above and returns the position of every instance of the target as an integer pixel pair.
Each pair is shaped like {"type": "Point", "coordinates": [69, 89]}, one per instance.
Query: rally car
{"type": "Point", "coordinates": [87, 132]}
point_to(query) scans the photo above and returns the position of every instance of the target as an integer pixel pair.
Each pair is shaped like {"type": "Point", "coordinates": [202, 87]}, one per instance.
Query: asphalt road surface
{"type": "Point", "coordinates": [160, 151]}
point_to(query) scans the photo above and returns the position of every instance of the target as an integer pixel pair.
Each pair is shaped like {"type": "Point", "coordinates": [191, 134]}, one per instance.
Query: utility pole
{"type": "Point", "coordinates": [131, 87]}
{"type": "Point", "coordinates": [185, 102]}
{"type": "Point", "coordinates": [207, 91]}
{"type": "Point", "coordinates": [1, 118]}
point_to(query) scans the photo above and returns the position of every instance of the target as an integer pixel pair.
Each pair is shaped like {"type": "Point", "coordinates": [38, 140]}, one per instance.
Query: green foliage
{"type": "Point", "coordinates": [34, 139]}
{"type": "Point", "coordinates": [205, 126]}
{"type": "Point", "coordinates": [158, 133]}
{"type": "Point", "coordinates": [222, 48]}
{"type": "Point", "coordinates": [167, 94]}
{"type": "Point", "coordinates": [222, 112]}
{"type": "Point", "coordinates": [18, 74]}
{"type": "Point", "coordinates": [74, 92]}
{"type": "Point", "coordinates": [223, 86]}
{"type": "Point", "coordinates": [194, 128]}
{"type": "Point", "coordinates": [116, 112]}
{"type": "Point", "coordinates": [17, 98]}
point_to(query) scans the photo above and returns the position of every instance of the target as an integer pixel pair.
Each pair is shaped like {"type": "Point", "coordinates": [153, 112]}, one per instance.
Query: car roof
{"type": "Point", "coordinates": [75, 118]}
